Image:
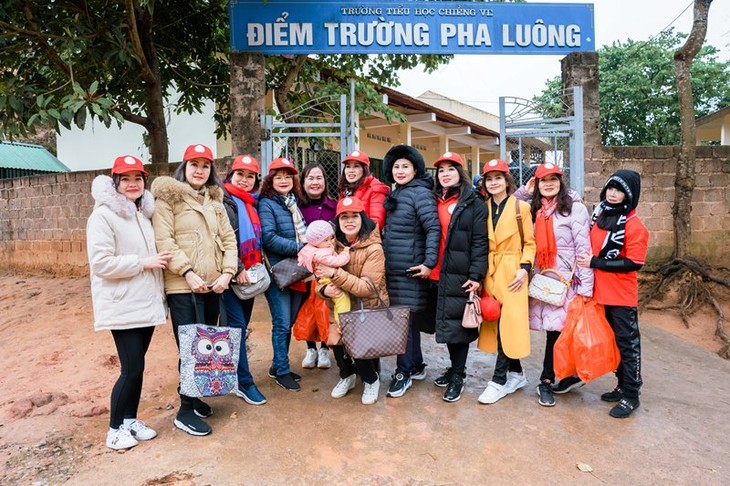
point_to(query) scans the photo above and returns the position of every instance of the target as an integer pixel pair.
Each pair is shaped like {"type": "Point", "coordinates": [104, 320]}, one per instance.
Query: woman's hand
{"type": "Point", "coordinates": [584, 260]}
{"type": "Point", "coordinates": [471, 286]}
{"type": "Point", "coordinates": [195, 283]}
{"type": "Point", "coordinates": [156, 261]}
{"type": "Point", "coordinates": [530, 186]}
{"type": "Point", "coordinates": [520, 279]}
{"type": "Point", "coordinates": [323, 271]}
{"type": "Point", "coordinates": [332, 291]}
{"type": "Point", "coordinates": [220, 284]}
{"type": "Point", "coordinates": [421, 271]}
{"type": "Point", "coordinates": [242, 278]}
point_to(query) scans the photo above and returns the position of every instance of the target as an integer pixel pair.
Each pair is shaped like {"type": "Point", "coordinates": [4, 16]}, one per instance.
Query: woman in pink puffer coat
{"type": "Point", "coordinates": [561, 233]}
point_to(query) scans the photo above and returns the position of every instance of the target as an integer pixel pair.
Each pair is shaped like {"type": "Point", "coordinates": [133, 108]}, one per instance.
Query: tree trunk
{"type": "Point", "coordinates": [684, 182]}
{"type": "Point", "coordinates": [248, 94]}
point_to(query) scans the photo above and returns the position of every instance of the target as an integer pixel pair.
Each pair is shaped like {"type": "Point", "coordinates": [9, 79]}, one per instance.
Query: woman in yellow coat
{"type": "Point", "coordinates": [511, 253]}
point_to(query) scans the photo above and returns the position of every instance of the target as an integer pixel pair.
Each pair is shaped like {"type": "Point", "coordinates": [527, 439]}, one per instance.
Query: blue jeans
{"type": "Point", "coordinates": [284, 306]}
{"type": "Point", "coordinates": [239, 315]}
{"type": "Point", "coordinates": [413, 358]}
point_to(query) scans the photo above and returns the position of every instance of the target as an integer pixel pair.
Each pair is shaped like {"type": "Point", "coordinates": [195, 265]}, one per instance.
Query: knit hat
{"type": "Point", "coordinates": [403, 152]}
{"type": "Point", "coordinates": [198, 151]}
{"type": "Point", "coordinates": [358, 156]}
{"type": "Point", "coordinates": [450, 157]}
{"type": "Point", "coordinates": [349, 204]}
{"type": "Point", "coordinates": [128, 163]}
{"type": "Point", "coordinates": [546, 169]}
{"type": "Point", "coordinates": [628, 182]}
{"type": "Point", "coordinates": [496, 165]}
{"type": "Point", "coordinates": [318, 231]}
{"type": "Point", "coordinates": [282, 163]}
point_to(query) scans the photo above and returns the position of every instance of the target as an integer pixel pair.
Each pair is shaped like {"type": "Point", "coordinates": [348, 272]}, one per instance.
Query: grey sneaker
{"type": "Point", "coordinates": [567, 384]}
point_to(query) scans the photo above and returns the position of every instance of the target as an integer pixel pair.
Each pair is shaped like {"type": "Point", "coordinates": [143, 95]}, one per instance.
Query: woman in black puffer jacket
{"type": "Point", "coordinates": [411, 243]}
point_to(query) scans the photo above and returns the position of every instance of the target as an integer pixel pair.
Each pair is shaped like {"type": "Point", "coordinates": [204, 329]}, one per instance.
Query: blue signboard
{"type": "Point", "coordinates": [409, 27]}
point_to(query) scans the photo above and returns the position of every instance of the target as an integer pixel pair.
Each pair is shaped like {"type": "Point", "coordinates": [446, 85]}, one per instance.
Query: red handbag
{"type": "Point", "coordinates": [312, 322]}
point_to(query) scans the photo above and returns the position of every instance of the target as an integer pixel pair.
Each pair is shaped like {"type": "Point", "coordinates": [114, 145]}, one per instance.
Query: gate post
{"type": "Point", "coordinates": [581, 69]}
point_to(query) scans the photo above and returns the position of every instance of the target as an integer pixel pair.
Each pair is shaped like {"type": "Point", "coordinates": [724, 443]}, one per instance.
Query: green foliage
{"type": "Point", "coordinates": [72, 60]}
{"type": "Point", "coordinates": [638, 93]}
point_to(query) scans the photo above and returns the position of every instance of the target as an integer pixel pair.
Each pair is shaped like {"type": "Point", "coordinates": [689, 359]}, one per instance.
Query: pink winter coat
{"type": "Point", "coordinates": [572, 238]}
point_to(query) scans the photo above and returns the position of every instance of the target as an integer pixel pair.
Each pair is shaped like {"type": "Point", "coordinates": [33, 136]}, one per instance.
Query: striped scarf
{"type": "Point", "coordinates": [301, 229]}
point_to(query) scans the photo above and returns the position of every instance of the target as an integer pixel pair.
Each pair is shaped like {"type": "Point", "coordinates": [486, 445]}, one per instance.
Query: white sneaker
{"type": "Point", "coordinates": [493, 393]}
{"type": "Point", "coordinates": [310, 359]}
{"type": "Point", "coordinates": [139, 430]}
{"type": "Point", "coordinates": [370, 393]}
{"type": "Point", "coordinates": [323, 359]}
{"type": "Point", "coordinates": [343, 386]}
{"type": "Point", "coordinates": [515, 381]}
{"type": "Point", "coordinates": [120, 439]}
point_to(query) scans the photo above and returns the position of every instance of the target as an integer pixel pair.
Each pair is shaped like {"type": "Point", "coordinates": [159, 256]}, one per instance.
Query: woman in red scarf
{"type": "Point", "coordinates": [241, 192]}
{"type": "Point", "coordinates": [561, 234]}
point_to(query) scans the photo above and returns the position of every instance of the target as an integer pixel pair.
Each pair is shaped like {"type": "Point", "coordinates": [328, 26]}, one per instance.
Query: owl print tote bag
{"type": "Point", "coordinates": [208, 358]}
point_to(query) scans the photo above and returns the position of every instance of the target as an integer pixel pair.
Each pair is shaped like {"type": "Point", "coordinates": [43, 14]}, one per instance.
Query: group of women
{"type": "Point", "coordinates": [426, 245]}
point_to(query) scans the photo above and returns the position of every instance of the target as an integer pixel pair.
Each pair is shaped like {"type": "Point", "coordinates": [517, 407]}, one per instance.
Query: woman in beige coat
{"type": "Point", "coordinates": [191, 223]}
{"type": "Point", "coordinates": [126, 287]}
{"type": "Point", "coordinates": [511, 254]}
{"type": "Point", "coordinates": [367, 262]}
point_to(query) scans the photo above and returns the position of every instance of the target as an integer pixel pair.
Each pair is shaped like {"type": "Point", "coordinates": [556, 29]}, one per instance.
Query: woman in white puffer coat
{"type": "Point", "coordinates": [127, 289]}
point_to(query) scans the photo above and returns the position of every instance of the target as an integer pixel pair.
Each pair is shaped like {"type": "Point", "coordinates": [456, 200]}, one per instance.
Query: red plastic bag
{"type": "Point", "coordinates": [313, 320]}
{"type": "Point", "coordinates": [563, 357]}
{"type": "Point", "coordinates": [594, 344]}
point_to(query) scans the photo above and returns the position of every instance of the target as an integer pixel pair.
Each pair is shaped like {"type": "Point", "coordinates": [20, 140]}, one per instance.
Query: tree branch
{"type": "Point", "coordinates": [43, 42]}
{"type": "Point", "coordinates": [147, 73]}
{"type": "Point", "coordinates": [131, 117]}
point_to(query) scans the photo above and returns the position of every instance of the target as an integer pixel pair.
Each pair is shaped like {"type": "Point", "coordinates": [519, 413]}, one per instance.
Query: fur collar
{"type": "Point", "coordinates": [104, 193]}
{"type": "Point", "coordinates": [173, 191]}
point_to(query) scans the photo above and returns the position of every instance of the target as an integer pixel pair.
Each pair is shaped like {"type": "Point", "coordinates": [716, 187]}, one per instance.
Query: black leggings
{"type": "Point", "coordinates": [132, 345]}
{"type": "Point", "coordinates": [548, 369]}
{"type": "Point", "coordinates": [458, 353]}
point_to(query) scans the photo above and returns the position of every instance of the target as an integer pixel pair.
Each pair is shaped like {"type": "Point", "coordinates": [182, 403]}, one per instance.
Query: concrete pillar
{"type": "Point", "coordinates": [581, 69]}
{"type": "Point", "coordinates": [248, 91]}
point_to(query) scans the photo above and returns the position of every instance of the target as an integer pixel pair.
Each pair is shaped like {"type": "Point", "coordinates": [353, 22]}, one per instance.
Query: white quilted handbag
{"type": "Point", "coordinates": [548, 289]}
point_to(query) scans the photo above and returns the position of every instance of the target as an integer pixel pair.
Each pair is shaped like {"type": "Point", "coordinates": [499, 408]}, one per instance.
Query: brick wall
{"type": "Point", "coordinates": [43, 219]}
{"type": "Point", "coordinates": [657, 166]}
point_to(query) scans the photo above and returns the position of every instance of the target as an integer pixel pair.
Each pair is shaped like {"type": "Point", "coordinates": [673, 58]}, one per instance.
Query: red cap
{"type": "Point", "coordinates": [246, 162]}
{"type": "Point", "coordinates": [358, 156]}
{"type": "Point", "coordinates": [450, 157]}
{"type": "Point", "coordinates": [282, 163]}
{"type": "Point", "coordinates": [546, 169]}
{"type": "Point", "coordinates": [498, 165]}
{"type": "Point", "coordinates": [198, 151]}
{"type": "Point", "coordinates": [128, 163]}
{"type": "Point", "coordinates": [349, 204]}
{"type": "Point", "coordinates": [491, 308]}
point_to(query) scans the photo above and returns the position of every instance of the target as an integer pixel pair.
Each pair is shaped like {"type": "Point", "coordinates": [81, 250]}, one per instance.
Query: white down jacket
{"type": "Point", "coordinates": [118, 237]}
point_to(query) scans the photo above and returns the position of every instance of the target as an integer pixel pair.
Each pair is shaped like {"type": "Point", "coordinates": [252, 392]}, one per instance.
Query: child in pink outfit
{"type": "Point", "coordinates": [320, 249]}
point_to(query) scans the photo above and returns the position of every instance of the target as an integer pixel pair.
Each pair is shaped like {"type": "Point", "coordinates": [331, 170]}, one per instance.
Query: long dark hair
{"type": "Point", "coordinates": [463, 186]}
{"type": "Point", "coordinates": [213, 179]}
{"type": "Point", "coordinates": [117, 178]}
{"type": "Point", "coordinates": [565, 202]}
{"type": "Point", "coordinates": [367, 227]}
{"type": "Point", "coordinates": [267, 186]}
{"type": "Point", "coordinates": [306, 200]}
{"type": "Point", "coordinates": [343, 185]}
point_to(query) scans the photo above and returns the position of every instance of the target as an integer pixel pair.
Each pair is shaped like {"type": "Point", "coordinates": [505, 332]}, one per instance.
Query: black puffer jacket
{"type": "Point", "coordinates": [411, 237]}
{"type": "Point", "coordinates": [464, 258]}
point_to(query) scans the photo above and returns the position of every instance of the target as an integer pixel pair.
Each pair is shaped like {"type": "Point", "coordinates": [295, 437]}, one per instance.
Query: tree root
{"type": "Point", "coordinates": [692, 281]}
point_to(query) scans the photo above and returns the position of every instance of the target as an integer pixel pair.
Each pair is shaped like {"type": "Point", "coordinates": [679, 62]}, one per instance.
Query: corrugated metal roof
{"type": "Point", "coordinates": [30, 157]}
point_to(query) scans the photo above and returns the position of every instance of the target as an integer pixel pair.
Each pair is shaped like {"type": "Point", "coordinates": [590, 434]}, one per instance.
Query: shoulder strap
{"type": "Point", "coordinates": [518, 214]}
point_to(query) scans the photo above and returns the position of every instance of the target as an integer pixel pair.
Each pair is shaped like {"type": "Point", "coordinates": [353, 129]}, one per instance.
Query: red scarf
{"type": "Point", "coordinates": [547, 249]}
{"type": "Point", "coordinates": [249, 248]}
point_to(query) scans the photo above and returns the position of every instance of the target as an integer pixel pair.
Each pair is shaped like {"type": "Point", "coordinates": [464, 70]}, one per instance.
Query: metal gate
{"type": "Point", "coordinates": [324, 133]}
{"type": "Point", "coordinates": [532, 140]}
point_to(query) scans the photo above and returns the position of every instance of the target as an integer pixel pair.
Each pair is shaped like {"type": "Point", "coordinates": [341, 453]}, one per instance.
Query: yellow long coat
{"type": "Point", "coordinates": [506, 253]}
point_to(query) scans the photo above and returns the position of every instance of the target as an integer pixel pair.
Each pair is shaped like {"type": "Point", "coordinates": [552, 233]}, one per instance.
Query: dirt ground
{"type": "Point", "coordinates": [58, 373]}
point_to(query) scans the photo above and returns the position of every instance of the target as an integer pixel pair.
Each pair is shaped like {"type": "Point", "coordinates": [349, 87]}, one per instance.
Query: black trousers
{"type": "Point", "coordinates": [366, 368]}
{"type": "Point", "coordinates": [504, 363]}
{"type": "Point", "coordinates": [625, 324]}
{"type": "Point", "coordinates": [458, 353]}
{"type": "Point", "coordinates": [183, 312]}
{"type": "Point", "coordinates": [548, 370]}
{"type": "Point", "coordinates": [132, 345]}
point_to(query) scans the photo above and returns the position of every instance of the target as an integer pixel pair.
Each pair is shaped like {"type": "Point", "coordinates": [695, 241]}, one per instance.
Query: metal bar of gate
{"type": "Point", "coordinates": [502, 129]}
{"type": "Point", "coordinates": [343, 126]}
